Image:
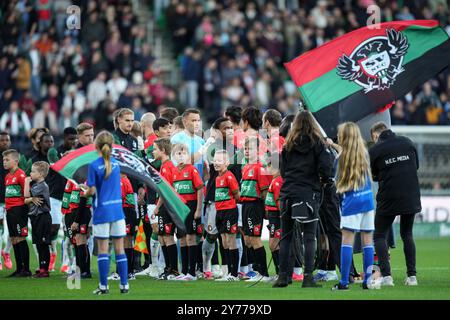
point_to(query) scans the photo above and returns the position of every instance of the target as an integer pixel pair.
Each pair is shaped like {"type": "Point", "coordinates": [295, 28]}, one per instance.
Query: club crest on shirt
{"type": "Point", "coordinates": [250, 173]}
{"type": "Point", "coordinates": [13, 180]}
{"type": "Point", "coordinates": [221, 183]}
{"type": "Point", "coordinates": [186, 174]}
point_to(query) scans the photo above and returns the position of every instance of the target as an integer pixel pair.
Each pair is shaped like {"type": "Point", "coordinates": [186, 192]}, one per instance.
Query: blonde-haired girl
{"type": "Point", "coordinates": [354, 185]}
{"type": "Point", "coordinates": [108, 218]}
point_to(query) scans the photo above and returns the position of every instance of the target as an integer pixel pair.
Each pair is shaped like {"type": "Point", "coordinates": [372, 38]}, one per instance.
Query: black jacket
{"type": "Point", "coordinates": [303, 167]}
{"type": "Point", "coordinates": [394, 164]}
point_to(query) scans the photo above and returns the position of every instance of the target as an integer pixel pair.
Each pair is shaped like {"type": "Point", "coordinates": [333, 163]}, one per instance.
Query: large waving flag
{"type": "Point", "coordinates": [74, 166]}
{"type": "Point", "coordinates": [360, 72]}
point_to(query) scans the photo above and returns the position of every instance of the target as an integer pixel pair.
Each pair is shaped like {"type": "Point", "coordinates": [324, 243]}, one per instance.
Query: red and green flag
{"type": "Point", "coordinates": [362, 71]}
{"type": "Point", "coordinates": [74, 167]}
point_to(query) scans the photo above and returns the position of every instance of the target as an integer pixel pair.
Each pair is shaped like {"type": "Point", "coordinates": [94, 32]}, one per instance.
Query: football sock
{"type": "Point", "coordinates": [165, 252]}
{"type": "Point", "coordinates": [77, 257]}
{"type": "Point", "coordinates": [18, 257]}
{"type": "Point", "coordinates": [276, 260]}
{"type": "Point", "coordinates": [82, 257]}
{"type": "Point", "coordinates": [129, 252]}
{"type": "Point", "coordinates": [1, 236]}
{"type": "Point", "coordinates": [368, 252]}
{"type": "Point", "coordinates": [346, 262]}
{"type": "Point", "coordinates": [207, 254]}
{"type": "Point", "coordinates": [154, 248]}
{"type": "Point", "coordinates": [172, 257]}
{"type": "Point", "coordinates": [103, 268]}
{"type": "Point", "coordinates": [298, 270]}
{"type": "Point", "coordinates": [25, 253]}
{"type": "Point", "coordinates": [234, 258]}
{"type": "Point", "coordinates": [260, 255]}
{"type": "Point", "coordinates": [53, 247]}
{"type": "Point", "coordinates": [215, 256]}
{"type": "Point", "coordinates": [240, 251]}
{"type": "Point", "coordinates": [199, 258]}
{"type": "Point", "coordinates": [184, 259]}
{"type": "Point", "coordinates": [8, 245]}
{"type": "Point", "coordinates": [36, 251]}
{"type": "Point", "coordinates": [88, 259]}
{"type": "Point", "coordinates": [228, 258]}
{"type": "Point", "coordinates": [122, 268]}
{"type": "Point", "coordinates": [192, 254]}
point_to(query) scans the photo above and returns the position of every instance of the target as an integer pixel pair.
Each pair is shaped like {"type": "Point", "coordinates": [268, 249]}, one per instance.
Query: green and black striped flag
{"type": "Point", "coordinates": [74, 167]}
{"type": "Point", "coordinates": [362, 71]}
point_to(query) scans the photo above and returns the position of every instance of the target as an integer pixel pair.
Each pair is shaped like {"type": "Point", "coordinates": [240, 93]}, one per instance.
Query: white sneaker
{"type": "Point", "coordinates": [144, 272]}
{"type": "Point", "coordinates": [331, 276]}
{"type": "Point", "coordinates": [387, 281]}
{"type": "Point", "coordinates": [411, 281]}
{"type": "Point", "coordinates": [223, 279]}
{"type": "Point", "coordinates": [216, 271]}
{"type": "Point", "coordinates": [154, 271]}
{"type": "Point", "coordinates": [178, 278]}
{"type": "Point", "coordinates": [231, 278]}
{"type": "Point", "coordinates": [189, 277]}
{"type": "Point", "coordinates": [114, 276]}
{"type": "Point", "coordinates": [259, 278]}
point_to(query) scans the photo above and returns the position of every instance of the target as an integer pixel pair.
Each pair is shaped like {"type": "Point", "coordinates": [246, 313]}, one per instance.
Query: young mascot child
{"type": "Point", "coordinates": [189, 185]}
{"type": "Point", "coordinates": [37, 196]}
{"type": "Point", "coordinates": [226, 195]}
{"type": "Point", "coordinates": [255, 182]}
{"type": "Point", "coordinates": [17, 212]}
{"type": "Point", "coordinates": [166, 227]}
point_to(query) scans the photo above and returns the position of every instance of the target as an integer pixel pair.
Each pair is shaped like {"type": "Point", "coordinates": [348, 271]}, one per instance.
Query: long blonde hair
{"type": "Point", "coordinates": [353, 163]}
{"type": "Point", "coordinates": [103, 143]}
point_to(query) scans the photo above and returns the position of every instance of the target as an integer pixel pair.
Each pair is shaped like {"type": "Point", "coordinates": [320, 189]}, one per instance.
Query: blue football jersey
{"type": "Point", "coordinates": [107, 202]}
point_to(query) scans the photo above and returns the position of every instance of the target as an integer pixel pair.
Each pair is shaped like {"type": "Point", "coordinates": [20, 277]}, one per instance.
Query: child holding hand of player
{"type": "Point", "coordinates": [37, 196]}
{"type": "Point", "coordinates": [226, 195]}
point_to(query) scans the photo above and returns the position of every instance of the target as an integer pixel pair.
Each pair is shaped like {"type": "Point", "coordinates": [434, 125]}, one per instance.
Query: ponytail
{"type": "Point", "coordinates": [106, 154]}
{"type": "Point", "coordinates": [103, 143]}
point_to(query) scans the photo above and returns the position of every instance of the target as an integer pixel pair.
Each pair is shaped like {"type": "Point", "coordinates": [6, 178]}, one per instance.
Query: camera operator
{"type": "Point", "coordinates": [305, 161]}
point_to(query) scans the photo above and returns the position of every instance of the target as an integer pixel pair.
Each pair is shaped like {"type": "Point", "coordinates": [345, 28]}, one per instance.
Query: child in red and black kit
{"type": "Point", "coordinates": [189, 185]}
{"type": "Point", "coordinates": [226, 195]}
{"type": "Point", "coordinates": [129, 209]}
{"type": "Point", "coordinates": [78, 222]}
{"type": "Point", "coordinates": [254, 185]}
{"type": "Point", "coordinates": [16, 212]}
{"type": "Point", "coordinates": [272, 206]}
{"type": "Point", "coordinates": [166, 227]}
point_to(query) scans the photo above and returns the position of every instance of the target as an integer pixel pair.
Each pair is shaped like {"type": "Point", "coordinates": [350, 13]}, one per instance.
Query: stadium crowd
{"type": "Point", "coordinates": [229, 52]}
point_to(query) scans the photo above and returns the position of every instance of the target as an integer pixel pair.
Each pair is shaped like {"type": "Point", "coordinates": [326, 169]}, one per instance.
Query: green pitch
{"type": "Point", "coordinates": [433, 265]}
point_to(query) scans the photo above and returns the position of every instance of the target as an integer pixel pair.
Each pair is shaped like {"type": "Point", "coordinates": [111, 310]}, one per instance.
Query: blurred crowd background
{"type": "Point", "coordinates": [228, 53]}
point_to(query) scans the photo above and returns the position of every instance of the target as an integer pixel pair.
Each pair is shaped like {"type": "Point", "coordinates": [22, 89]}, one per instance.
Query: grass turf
{"type": "Point", "coordinates": [433, 265]}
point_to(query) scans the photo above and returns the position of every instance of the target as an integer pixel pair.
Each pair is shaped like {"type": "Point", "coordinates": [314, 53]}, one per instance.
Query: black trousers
{"type": "Point", "coordinates": [287, 239]}
{"type": "Point", "coordinates": [382, 226]}
{"type": "Point", "coordinates": [331, 221]}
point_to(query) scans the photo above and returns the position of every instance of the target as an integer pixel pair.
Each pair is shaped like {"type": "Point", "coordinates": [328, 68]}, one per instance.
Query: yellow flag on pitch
{"type": "Point", "coordinates": [140, 243]}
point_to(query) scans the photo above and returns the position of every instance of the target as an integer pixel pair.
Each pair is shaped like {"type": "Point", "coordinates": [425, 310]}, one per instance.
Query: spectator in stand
{"type": "Point", "coordinates": [96, 91]}
{"type": "Point", "coordinates": [46, 118]}
{"type": "Point", "coordinates": [191, 72]}
{"type": "Point", "coordinates": [15, 120]}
